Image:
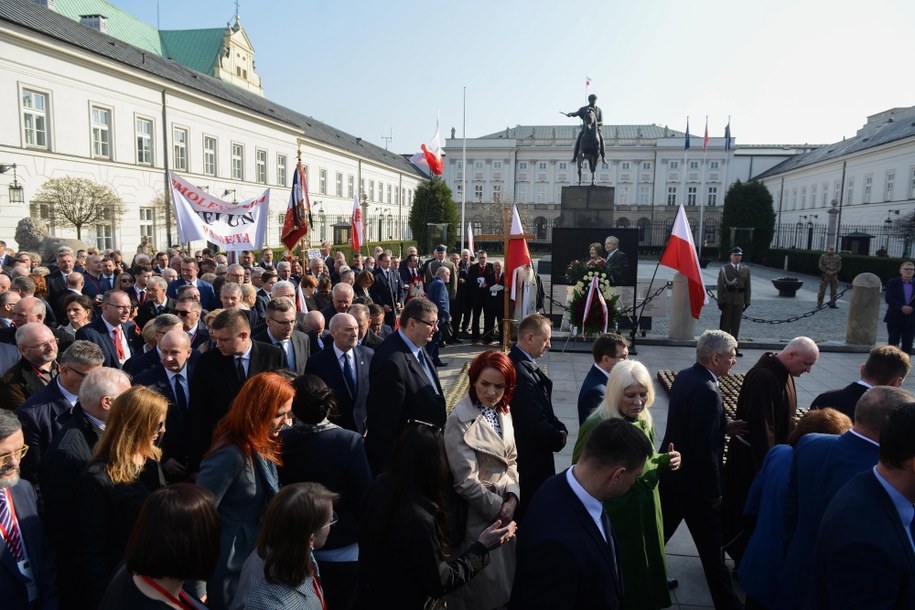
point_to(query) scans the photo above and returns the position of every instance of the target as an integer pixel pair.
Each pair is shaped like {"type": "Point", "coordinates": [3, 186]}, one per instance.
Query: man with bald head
{"type": "Point", "coordinates": [28, 310]}
{"type": "Point", "coordinates": [342, 297]}
{"type": "Point", "coordinates": [4, 282]}
{"type": "Point", "coordinates": [35, 369]}
{"type": "Point", "coordinates": [160, 325]}
{"type": "Point", "coordinates": [314, 328]}
{"type": "Point", "coordinates": [344, 367]}
{"type": "Point", "coordinates": [170, 377]}
{"type": "Point", "coordinates": [768, 403]}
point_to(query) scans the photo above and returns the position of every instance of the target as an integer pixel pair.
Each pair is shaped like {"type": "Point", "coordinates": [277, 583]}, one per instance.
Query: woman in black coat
{"type": "Point", "coordinates": [402, 538]}
{"type": "Point", "coordinates": [318, 451]}
{"type": "Point", "coordinates": [109, 494]}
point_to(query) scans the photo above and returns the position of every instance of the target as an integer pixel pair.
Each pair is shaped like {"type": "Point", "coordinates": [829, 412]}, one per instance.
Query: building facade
{"type": "Point", "coordinates": [83, 103]}
{"type": "Point", "coordinates": [860, 190]}
{"type": "Point", "coordinates": [649, 167]}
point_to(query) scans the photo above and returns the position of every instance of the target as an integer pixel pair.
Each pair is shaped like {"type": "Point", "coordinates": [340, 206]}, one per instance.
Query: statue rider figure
{"type": "Point", "coordinates": [598, 116]}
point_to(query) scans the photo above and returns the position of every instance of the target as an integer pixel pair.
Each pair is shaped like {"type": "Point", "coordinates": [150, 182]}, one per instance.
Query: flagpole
{"type": "Point", "coordinates": [685, 157]}
{"type": "Point", "coordinates": [727, 168]}
{"type": "Point", "coordinates": [464, 173]}
{"type": "Point", "coordinates": [700, 233]}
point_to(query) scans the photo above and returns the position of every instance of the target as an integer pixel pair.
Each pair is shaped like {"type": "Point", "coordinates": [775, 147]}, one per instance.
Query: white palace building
{"type": "Point", "coordinates": [90, 91]}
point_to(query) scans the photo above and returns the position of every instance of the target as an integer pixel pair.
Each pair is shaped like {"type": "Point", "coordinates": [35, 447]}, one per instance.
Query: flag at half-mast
{"type": "Point", "coordinates": [298, 213]}
{"type": "Point", "coordinates": [431, 155]}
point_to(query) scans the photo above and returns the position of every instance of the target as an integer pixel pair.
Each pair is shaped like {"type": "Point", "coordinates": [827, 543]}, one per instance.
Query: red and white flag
{"type": "Point", "coordinates": [298, 212]}
{"type": "Point", "coordinates": [594, 292]}
{"type": "Point", "coordinates": [300, 304]}
{"type": "Point", "coordinates": [518, 254]}
{"type": "Point", "coordinates": [680, 255]}
{"type": "Point", "coordinates": [431, 155]}
{"type": "Point", "coordinates": [470, 238]}
{"type": "Point", "coordinates": [705, 141]}
{"type": "Point", "coordinates": [355, 227]}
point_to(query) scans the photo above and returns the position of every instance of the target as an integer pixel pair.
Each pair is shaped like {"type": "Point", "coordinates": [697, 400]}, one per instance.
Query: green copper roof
{"type": "Point", "coordinates": [196, 49]}
{"type": "Point", "coordinates": [119, 24]}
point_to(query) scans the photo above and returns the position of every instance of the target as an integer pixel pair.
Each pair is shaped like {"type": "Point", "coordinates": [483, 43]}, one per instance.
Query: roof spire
{"type": "Point", "coordinates": [237, 25]}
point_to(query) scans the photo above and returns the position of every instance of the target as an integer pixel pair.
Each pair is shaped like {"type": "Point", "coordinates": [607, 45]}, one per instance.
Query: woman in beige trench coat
{"type": "Point", "coordinates": [480, 445]}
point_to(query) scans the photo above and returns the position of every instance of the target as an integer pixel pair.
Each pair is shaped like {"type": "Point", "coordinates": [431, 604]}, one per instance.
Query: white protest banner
{"type": "Point", "coordinates": [234, 226]}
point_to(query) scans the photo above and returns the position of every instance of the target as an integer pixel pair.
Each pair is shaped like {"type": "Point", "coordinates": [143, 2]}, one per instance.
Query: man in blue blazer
{"type": "Point", "coordinates": [696, 425]}
{"type": "Point", "coordinates": [607, 350]}
{"type": "Point", "coordinates": [438, 294]}
{"type": "Point", "coordinates": [821, 465]}
{"type": "Point", "coordinates": [568, 556]}
{"type": "Point", "coordinates": [101, 331]}
{"type": "Point", "coordinates": [189, 271]}
{"type": "Point", "coordinates": [886, 365]}
{"type": "Point", "coordinates": [865, 555]}
{"type": "Point", "coordinates": [900, 311]}
{"type": "Point", "coordinates": [403, 384]}
{"type": "Point", "coordinates": [328, 365]}
{"type": "Point", "coordinates": [28, 576]}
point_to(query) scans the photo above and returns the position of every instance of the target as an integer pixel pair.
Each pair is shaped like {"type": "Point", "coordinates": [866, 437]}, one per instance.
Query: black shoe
{"type": "Point", "coordinates": [738, 354]}
{"type": "Point", "coordinates": [833, 306]}
{"type": "Point", "coordinates": [440, 364]}
{"type": "Point", "coordinates": [672, 583]}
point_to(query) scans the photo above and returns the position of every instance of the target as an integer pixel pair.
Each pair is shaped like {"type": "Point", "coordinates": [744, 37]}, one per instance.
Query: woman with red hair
{"type": "Point", "coordinates": [480, 446]}
{"type": "Point", "coordinates": [240, 470]}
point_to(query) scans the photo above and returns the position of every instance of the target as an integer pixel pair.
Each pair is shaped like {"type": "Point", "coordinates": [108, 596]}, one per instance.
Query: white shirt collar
{"type": "Point", "coordinates": [172, 374]}
{"type": "Point", "coordinates": [339, 353]}
{"type": "Point", "coordinates": [71, 398]}
{"type": "Point", "coordinates": [606, 374]}
{"type": "Point", "coordinates": [594, 506]}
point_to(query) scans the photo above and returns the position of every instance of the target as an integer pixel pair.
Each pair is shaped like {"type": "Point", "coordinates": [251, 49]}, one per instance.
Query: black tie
{"type": "Point", "coordinates": [608, 531]}
{"type": "Point", "coordinates": [240, 367]}
{"type": "Point", "coordinates": [349, 375]}
{"type": "Point", "coordinates": [180, 394]}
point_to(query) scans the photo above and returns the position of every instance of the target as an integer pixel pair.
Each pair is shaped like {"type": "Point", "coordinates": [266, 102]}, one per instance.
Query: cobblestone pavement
{"type": "Point", "coordinates": [825, 326]}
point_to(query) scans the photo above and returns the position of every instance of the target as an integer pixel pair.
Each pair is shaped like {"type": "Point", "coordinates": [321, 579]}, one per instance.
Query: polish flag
{"type": "Point", "coordinates": [470, 238]}
{"type": "Point", "coordinates": [705, 140]}
{"type": "Point", "coordinates": [517, 255]}
{"type": "Point", "coordinates": [355, 227]}
{"type": "Point", "coordinates": [300, 303]}
{"type": "Point", "coordinates": [431, 156]}
{"type": "Point", "coordinates": [680, 255]}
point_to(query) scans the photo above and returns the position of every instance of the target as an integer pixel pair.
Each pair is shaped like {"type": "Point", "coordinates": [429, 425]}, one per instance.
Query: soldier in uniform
{"type": "Point", "coordinates": [733, 293]}
{"type": "Point", "coordinates": [830, 265]}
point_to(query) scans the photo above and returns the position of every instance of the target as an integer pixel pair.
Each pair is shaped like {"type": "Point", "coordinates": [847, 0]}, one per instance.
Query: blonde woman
{"type": "Point", "coordinates": [123, 471]}
{"type": "Point", "coordinates": [636, 515]}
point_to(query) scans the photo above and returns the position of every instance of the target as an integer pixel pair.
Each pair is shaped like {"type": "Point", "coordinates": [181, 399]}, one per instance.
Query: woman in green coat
{"type": "Point", "coordinates": [636, 516]}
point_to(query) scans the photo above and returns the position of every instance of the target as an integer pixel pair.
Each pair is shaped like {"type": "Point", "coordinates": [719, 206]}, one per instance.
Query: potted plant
{"type": "Point", "coordinates": [787, 286]}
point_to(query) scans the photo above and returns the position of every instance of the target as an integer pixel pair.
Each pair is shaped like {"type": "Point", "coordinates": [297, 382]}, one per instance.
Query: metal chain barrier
{"type": "Point", "coordinates": [791, 319]}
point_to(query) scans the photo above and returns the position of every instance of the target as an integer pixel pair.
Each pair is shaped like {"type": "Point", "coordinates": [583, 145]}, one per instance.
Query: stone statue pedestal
{"type": "Point", "coordinates": [864, 310]}
{"type": "Point", "coordinates": [682, 322]}
{"type": "Point", "coordinates": [588, 207]}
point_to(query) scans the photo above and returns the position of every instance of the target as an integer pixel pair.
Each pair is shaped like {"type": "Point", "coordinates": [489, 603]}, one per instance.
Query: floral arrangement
{"type": "Point", "coordinates": [580, 276]}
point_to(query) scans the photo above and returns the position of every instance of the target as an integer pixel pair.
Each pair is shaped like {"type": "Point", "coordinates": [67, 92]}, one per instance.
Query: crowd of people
{"type": "Point", "coordinates": [182, 431]}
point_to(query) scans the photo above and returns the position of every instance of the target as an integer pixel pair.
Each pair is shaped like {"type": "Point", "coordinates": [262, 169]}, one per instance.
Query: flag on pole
{"type": "Point", "coordinates": [587, 81]}
{"type": "Point", "coordinates": [355, 227]}
{"type": "Point", "coordinates": [470, 237]}
{"type": "Point", "coordinates": [300, 304]}
{"type": "Point", "coordinates": [431, 156]}
{"type": "Point", "coordinates": [705, 141]}
{"type": "Point", "coordinates": [518, 254]}
{"type": "Point", "coordinates": [680, 255]}
{"type": "Point", "coordinates": [298, 211]}
{"type": "Point", "coordinates": [727, 136]}
{"type": "Point", "coordinates": [686, 144]}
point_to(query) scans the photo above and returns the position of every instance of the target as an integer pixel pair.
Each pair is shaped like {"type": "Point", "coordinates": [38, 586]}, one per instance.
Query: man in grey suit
{"type": "Point", "coordinates": [280, 331]}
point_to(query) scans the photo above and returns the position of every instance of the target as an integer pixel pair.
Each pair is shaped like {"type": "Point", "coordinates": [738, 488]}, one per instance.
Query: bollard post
{"type": "Point", "coordinates": [682, 322]}
{"type": "Point", "coordinates": [863, 310]}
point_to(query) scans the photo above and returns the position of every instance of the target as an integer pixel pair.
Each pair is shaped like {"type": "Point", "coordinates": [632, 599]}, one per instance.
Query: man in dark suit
{"type": "Point", "coordinates": [280, 331]}
{"type": "Point", "coordinates": [566, 522]}
{"type": "Point", "coordinates": [62, 464]}
{"type": "Point", "coordinates": [479, 279]}
{"type": "Point", "coordinates": [28, 576]}
{"type": "Point", "coordinates": [363, 320]}
{"type": "Point", "coordinates": [156, 302]}
{"type": "Point", "coordinates": [617, 261]}
{"type": "Point", "coordinates": [45, 412]}
{"type": "Point", "coordinates": [403, 384]}
{"type": "Point", "coordinates": [93, 277]}
{"type": "Point", "coordinates": [864, 555]}
{"type": "Point", "coordinates": [189, 312]}
{"type": "Point", "coordinates": [170, 377]}
{"type": "Point", "coordinates": [886, 365]}
{"type": "Point", "coordinates": [57, 282]}
{"type": "Point", "coordinates": [27, 310]}
{"type": "Point", "coordinates": [344, 367]}
{"type": "Point", "coordinates": [313, 326]}
{"type": "Point", "coordinates": [899, 318]}
{"type": "Point", "coordinates": [387, 288]}
{"type": "Point", "coordinates": [341, 297]}
{"type": "Point", "coordinates": [141, 361]}
{"type": "Point", "coordinates": [538, 432]}
{"type": "Point", "coordinates": [820, 466]}
{"type": "Point", "coordinates": [189, 270]}
{"type": "Point", "coordinates": [221, 372]}
{"type": "Point", "coordinates": [696, 426]}
{"type": "Point", "coordinates": [438, 294]}
{"type": "Point", "coordinates": [113, 331]}
{"type": "Point", "coordinates": [410, 272]}
{"type": "Point", "coordinates": [607, 350]}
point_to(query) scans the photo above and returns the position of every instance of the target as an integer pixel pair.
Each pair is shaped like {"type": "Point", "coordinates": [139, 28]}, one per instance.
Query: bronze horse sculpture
{"type": "Point", "coordinates": [590, 145]}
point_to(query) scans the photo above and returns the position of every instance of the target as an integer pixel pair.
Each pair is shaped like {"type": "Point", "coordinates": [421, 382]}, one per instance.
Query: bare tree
{"type": "Point", "coordinates": [75, 202]}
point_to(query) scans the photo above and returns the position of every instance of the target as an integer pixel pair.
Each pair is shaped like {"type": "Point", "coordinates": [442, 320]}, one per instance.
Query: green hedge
{"type": "Point", "coordinates": [807, 262]}
{"type": "Point", "coordinates": [398, 247]}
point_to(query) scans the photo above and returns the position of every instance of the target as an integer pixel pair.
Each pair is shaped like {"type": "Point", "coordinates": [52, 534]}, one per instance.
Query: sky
{"type": "Point", "coordinates": [784, 71]}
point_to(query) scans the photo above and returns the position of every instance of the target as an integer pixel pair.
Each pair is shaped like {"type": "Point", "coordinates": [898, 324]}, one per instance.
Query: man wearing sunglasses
{"type": "Point", "coordinates": [403, 384]}
{"type": "Point", "coordinates": [28, 577]}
